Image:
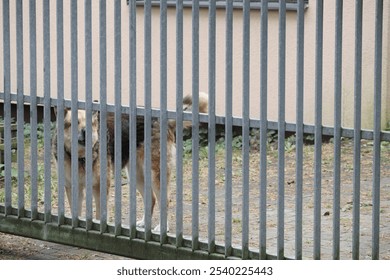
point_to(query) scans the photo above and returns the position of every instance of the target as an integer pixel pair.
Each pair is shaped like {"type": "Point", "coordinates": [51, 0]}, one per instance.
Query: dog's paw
{"type": "Point", "coordinates": [158, 228]}
{"type": "Point", "coordinates": [141, 223]}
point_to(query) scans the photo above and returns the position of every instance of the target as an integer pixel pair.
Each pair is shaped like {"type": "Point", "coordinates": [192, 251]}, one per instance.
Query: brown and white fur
{"type": "Point", "coordinates": [155, 152]}
{"type": "Point", "coordinates": [67, 168]}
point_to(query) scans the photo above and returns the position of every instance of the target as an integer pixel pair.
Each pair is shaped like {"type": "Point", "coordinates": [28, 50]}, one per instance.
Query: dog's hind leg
{"type": "Point", "coordinates": [140, 223]}
{"type": "Point", "coordinates": [157, 191]}
{"type": "Point", "coordinates": [141, 189]}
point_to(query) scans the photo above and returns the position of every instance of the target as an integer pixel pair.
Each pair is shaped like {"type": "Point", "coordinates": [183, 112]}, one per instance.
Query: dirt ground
{"type": "Point", "coordinates": [20, 248]}
{"type": "Point", "coordinates": [327, 196]}
{"type": "Point", "coordinates": [9, 243]}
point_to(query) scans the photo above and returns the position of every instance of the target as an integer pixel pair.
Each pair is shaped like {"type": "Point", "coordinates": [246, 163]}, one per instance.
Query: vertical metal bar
{"type": "Point", "coordinates": [7, 107]}
{"type": "Point", "coordinates": [337, 128]}
{"type": "Point", "coordinates": [47, 109]}
{"type": "Point", "coordinates": [377, 129]}
{"type": "Point", "coordinates": [299, 129]}
{"type": "Point", "coordinates": [88, 114]}
{"type": "Point", "coordinates": [263, 128]}
{"type": "Point", "coordinates": [33, 110]}
{"type": "Point", "coordinates": [133, 119]}
{"type": "Point", "coordinates": [228, 126]}
{"type": "Point", "coordinates": [357, 128]}
{"type": "Point", "coordinates": [74, 118]}
{"type": "Point", "coordinates": [148, 116]}
{"type": "Point", "coordinates": [118, 117]}
{"type": "Point", "coordinates": [20, 106]}
{"type": "Point", "coordinates": [318, 130]}
{"type": "Point", "coordinates": [211, 128]}
{"type": "Point", "coordinates": [179, 123]}
{"type": "Point", "coordinates": [103, 115]}
{"type": "Point", "coordinates": [281, 125]}
{"type": "Point", "coordinates": [245, 129]}
{"type": "Point", "coordinates": [163, 122]}
{"type": "Point", "coordinates": [195, 125]}
{"type": "Point", "coordinates": [60, 112]}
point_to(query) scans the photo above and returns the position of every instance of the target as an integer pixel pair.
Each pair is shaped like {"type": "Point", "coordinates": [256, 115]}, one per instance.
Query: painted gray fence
{"type": "Point", "coordinates": [125, 238]}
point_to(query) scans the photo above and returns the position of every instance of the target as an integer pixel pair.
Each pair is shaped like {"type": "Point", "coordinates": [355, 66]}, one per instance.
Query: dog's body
{"type": "Point", "coordinates": [155, 152]}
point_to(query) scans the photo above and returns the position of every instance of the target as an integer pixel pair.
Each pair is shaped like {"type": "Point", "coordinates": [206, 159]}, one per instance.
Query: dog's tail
{"type": "Point", "coordinates": [187, 106]}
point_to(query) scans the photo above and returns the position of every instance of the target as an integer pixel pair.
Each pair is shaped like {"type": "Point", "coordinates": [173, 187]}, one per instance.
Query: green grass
{"type": "Point", "coordinates": [27, 170]}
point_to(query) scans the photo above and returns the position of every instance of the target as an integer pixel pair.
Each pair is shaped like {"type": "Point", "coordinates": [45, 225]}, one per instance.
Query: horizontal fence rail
{"type": "Point", "coordinates": [92, 162]}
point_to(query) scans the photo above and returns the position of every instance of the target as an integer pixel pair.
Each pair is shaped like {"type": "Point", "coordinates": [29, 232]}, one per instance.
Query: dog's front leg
{"type": "Point", "coordinates": [81, 199]}
{"type": "Point", "coordinates": [68, 191]}
{"type": "Point", "coordinates": [96, 197]}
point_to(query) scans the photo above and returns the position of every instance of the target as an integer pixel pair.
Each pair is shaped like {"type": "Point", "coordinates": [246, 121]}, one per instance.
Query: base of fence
{"type": "Point", "coordinates": [94, 240]}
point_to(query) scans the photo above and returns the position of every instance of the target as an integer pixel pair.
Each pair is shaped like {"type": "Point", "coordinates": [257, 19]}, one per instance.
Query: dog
{"type": "Point", "coordinates": [81, 154]}
{"type": "Point", "coordinates": [155, 153]}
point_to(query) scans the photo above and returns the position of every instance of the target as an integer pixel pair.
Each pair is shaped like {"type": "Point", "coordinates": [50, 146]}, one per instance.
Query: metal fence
{"type": "Point", "coordinates": [235, 218]}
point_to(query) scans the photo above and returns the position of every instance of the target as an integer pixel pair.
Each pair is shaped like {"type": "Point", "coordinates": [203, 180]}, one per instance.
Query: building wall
{"type": "Point", "coordinates": [309, 79]}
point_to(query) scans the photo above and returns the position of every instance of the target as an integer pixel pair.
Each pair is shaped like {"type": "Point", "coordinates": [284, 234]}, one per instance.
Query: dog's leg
{"type": "Point", "coordinates": [69, 195]}
{"type": "Point", "coordinates": [68, 190]}
{"type": "Point", "coordinates": [81, 199]}
{"type": "Point", "coordinates": [127, 171]}
{"type": "Point", "coordinates": [96, 196]}
{"type": "Point", "coordinates": [109, 183]}
{"type": "Point", "coordinates": [157, 192]}
{"type": "Point", "coordinates": [140, 188]}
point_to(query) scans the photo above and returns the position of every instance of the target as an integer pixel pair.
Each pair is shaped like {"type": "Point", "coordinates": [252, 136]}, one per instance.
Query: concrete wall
{"type": "Point", "coordinates": [309, 79]}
